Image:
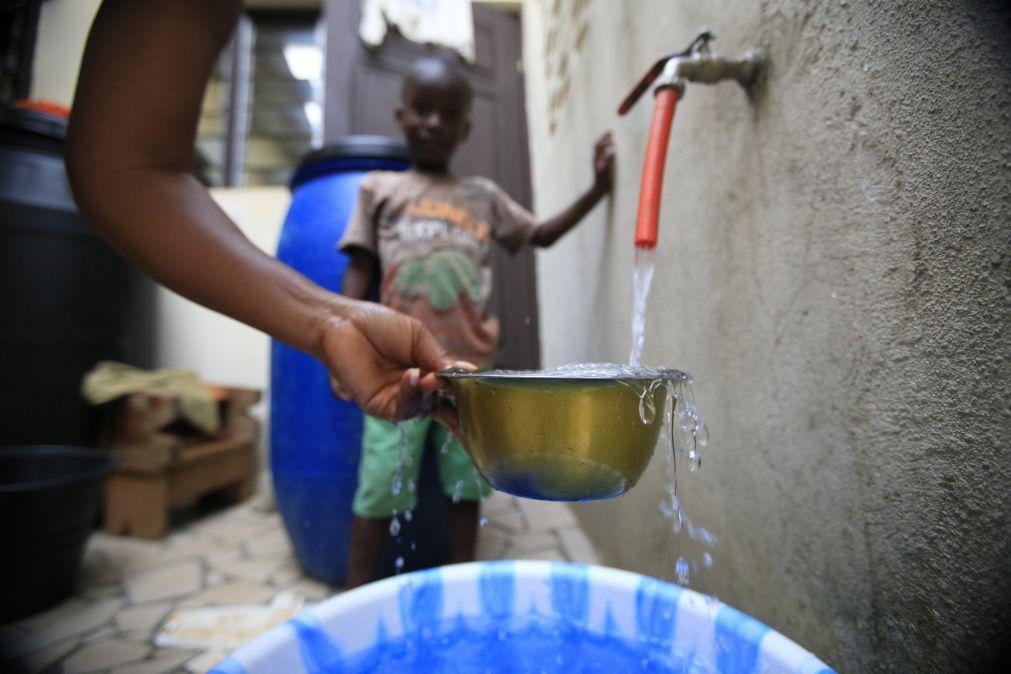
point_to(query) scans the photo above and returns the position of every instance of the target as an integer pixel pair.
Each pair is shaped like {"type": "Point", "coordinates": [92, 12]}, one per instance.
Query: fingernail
{"type": "Point", "coordinates": [414, 375]}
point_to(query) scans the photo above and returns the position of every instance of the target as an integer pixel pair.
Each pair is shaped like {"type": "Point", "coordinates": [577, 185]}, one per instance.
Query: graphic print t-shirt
{"type": "Point", "coordinates": [432, 235]}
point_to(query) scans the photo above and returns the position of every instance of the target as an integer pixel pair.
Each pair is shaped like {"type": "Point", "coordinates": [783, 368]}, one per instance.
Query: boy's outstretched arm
{"type": "Point", "coordinates": [603, 176]}
{"type": "Point", "coordinates": [129, 157]}
{"type": "Point", "coordinates": [362, 272]}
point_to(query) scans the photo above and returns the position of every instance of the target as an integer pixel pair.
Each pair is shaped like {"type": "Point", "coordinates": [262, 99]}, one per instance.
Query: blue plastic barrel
{"type": "Point", "coordinates": [314, 437]}
{"type": "Point", "coordinates": [519, 617]}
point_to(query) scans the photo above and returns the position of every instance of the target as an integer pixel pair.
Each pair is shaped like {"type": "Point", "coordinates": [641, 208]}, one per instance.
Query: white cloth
{"type": "Point", "coordinates": [447, 23]}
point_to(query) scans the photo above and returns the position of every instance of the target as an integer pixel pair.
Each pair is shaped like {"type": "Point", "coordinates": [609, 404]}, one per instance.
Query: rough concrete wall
{"type": "Point", "coordinates": [834, 269]}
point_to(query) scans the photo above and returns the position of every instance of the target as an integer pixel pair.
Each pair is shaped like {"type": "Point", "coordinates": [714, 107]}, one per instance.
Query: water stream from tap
{"type": "Point", "coordinates": [642, 281]}
{"type": "Point", "coordinates": [684, 433]}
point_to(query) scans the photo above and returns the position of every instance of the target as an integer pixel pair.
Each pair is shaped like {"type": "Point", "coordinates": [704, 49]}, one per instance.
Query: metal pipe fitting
{"type": "Point", "coordinates": [709, 69]}
{"type": "Point", "coordinates": [670, 78]}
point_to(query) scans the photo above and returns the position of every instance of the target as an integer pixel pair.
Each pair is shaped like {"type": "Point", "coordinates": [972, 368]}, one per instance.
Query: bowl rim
{"type": "Point", "coordinates": [517, 376]}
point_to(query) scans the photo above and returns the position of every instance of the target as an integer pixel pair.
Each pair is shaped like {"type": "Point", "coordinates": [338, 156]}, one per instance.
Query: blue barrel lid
{"type": "Point", "coordinates": [340, 155]}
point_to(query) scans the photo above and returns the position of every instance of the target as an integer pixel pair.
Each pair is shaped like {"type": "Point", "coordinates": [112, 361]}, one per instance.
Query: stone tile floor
{"type": "Point", "coordinates": [238, 556]}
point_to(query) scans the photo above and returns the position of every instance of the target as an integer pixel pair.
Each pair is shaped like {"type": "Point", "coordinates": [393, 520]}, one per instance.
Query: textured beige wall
{"type": "Point", "coordinates": [834, 270]}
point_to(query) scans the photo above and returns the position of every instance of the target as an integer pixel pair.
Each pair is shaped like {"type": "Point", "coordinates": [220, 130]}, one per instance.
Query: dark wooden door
{"type": "Point", "coordinates": [362, 91]}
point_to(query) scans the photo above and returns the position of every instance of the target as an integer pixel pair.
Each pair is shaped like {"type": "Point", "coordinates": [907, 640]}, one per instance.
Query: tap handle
{"type": "Point", "coordinates": [639, 89]}
{"type": "Point", "coordinates": [699, 44]}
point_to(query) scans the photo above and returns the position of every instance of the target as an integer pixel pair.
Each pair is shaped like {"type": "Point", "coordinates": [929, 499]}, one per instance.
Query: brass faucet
{"type": "Point", "coordinates": [695, 64]}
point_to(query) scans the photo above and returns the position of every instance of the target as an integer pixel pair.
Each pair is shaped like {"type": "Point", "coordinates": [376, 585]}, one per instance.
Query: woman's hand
{"type": "Point", "coordinates": [386, 362]}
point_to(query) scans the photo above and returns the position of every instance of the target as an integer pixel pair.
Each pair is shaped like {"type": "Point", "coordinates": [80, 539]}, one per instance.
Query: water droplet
{"type": "Point", "coordinates": [702, 434]}
{"type": "Point", "coordinates": [483, 522]}
{"type": "Point", "coordinates": [398, 485]}
{"type": "Point", "coordinates": [457, 491]}
{"type": "Point", "coordinates": [413, 546]}
{"type": "Point", "coordinates": [408, 515]}
{"type": "Point", "coordinates": [398, 563]}
{"type": "Point", "coordinates": [395, 526]}
{"type": "Point", "coordinates": [694, 461]}
{"type": "Point", "coordinates": [681, 571]}
{"type": "Point", "coordinates": [411, 487]}
{"type": "Point", "coordinates": [647, 408]}
{"type": "Point", "coordinates": [707, 559]}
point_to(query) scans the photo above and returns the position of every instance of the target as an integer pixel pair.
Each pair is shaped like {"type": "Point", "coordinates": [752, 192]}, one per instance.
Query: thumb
{"type": "Point", "coordinates": [428, 354]}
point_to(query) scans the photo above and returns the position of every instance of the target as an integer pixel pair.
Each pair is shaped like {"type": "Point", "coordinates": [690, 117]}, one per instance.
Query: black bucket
{"type": "Point", "coordinates": [48, 499]}
{"type": "Point", "coordinates": [68, 301]}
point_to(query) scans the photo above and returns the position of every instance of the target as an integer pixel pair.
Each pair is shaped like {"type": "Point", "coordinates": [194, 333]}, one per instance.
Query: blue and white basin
{"type": "Point", "coordinates": [519, 617]}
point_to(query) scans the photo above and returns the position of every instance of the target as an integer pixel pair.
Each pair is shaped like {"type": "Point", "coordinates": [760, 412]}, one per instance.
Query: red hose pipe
{"type": "Point", "coordinates": [652, 172]}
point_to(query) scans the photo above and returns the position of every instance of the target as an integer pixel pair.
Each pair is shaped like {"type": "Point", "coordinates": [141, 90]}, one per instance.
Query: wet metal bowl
{"type": "Point", "coordinates": [557, 438]}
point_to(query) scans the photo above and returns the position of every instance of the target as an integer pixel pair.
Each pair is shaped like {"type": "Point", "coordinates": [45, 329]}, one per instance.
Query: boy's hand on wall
{"type": "Point", "coordinates": [603, 163]}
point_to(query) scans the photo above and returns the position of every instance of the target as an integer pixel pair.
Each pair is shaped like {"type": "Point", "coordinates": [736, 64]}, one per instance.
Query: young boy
{"type": "Point", "coordinates": [428, 233]}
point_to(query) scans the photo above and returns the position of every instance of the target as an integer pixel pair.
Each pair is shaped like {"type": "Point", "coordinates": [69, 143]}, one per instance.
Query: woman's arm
{"type": "Point", "coordinates": [130, 153]}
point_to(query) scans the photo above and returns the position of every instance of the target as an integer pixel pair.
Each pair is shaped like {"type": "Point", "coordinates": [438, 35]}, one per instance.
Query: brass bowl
{"type": "Point", "coordinates": [558, 438]}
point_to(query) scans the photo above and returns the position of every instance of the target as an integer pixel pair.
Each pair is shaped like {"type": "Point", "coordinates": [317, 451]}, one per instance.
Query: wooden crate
{"type": "Point", "coordinates": [161, 466]}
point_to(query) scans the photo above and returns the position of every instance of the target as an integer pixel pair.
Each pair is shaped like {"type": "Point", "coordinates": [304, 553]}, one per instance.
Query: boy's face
{"type": "Point", "coordinates": [435, 118]}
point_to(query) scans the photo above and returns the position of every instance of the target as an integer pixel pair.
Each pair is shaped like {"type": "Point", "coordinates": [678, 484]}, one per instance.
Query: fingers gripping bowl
{"type": "Point", "coordinates": [575, 433]}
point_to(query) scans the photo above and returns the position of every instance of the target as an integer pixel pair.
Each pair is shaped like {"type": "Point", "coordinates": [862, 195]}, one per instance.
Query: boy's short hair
{"type": "Point", "coordinates": [437, 65]}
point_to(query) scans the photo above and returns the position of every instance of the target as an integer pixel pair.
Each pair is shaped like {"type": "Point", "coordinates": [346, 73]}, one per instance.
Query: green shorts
{"type": "Point", "coordinates": [385, 448]}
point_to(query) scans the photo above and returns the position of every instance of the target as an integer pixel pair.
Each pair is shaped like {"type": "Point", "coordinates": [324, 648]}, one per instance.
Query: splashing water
{"type": "Point", "coordinates": [403, 461]}
{"type": "Point", "coordinates": [681, 571]}
{"type": "Point", "coordinates": [642, 280]}
{"type": "Point", "coordinates": [684, 436]}
{"type": "Point", "coordinates": [685, 433]}
{"type": "Point", "coordinates": [480, 494]}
